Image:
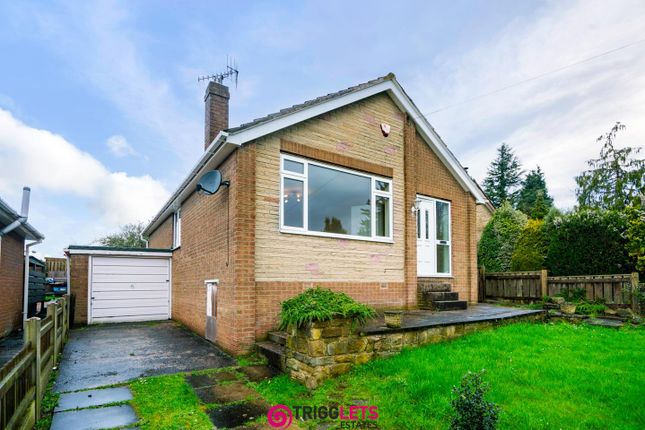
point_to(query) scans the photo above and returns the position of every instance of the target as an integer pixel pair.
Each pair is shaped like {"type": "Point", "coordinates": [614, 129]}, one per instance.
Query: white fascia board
{"type": "Point", "coordinates": [214, 155]}
{"type": "Point", "coordinates": [118, 253]}
{"type": "Point", "coordinates": [399, 97]}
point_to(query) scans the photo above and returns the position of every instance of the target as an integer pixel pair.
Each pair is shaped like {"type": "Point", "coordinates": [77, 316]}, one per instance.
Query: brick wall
{"type": "Point", "coordinates": [217, 243]}
{"type": "Point", "coordinates": [11, 283]}
{"type": "Point", "coordinates": [433, 179]}
{"type": "Point", "coordinates": [162, 236]}
{"type": "Point", "coordinates": [78, 273]}
{"type": "Point", "coordinates": [483, 216]}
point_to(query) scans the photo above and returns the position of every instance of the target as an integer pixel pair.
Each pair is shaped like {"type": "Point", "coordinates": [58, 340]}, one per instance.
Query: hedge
{"type": "Point", "coordinates": [499, 237]}
{"type": "Point", "coordinates": [588, 242]}
{"type": "Point", "coordinates": [530, 250]}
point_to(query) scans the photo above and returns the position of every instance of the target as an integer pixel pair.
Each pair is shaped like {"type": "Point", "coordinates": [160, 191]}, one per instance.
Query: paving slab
{"type": "Point", "coordinates": [94, 419]}
{"type": "Point", "coordinates": [227, 393]}
{"type": "Point", "coordinates": [84, 399]}
{"type": "Point", "coordinates": [603, 322]}
{"type": "Point", "coordinates": [201, 381]}
{"type": "Point", "coordinates": [260, 372]}
{"type": "Point", "coordinates": [231, 416]}
{"type": "Point", "coordinates": [110, 354]}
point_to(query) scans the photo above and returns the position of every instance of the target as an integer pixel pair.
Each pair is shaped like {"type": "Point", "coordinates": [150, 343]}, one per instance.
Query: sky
{"type": "Point", "coordinates": [101, 113]}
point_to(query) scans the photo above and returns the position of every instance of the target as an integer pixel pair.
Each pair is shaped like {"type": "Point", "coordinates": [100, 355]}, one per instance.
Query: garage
{"type": "Point", "coordinates": [121, 285]}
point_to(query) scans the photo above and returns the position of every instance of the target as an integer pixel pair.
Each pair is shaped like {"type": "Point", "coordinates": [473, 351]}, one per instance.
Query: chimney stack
{"type": "Point", "coordinates": [216, 100]}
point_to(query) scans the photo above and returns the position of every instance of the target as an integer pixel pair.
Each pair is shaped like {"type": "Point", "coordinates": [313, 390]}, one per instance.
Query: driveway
{"type": "Point", "coordinates": [114, 353]}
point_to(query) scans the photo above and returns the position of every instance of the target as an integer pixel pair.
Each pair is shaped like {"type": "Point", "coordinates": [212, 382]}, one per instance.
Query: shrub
{"type": "Point", "coordinates": [319, 304]}
{"type": "Point", "coordinates": [635, 234]}
{"type": "Point", "coordinates": [499, 237]}
{"type": "Point", "coordinates": [530, 249]}
{"type": "Point", "coordinates": [589, 309]}
{"type": "Point", "coordinates": [588, 242]}
{"type": "Point", "coordinates": [471, 410]}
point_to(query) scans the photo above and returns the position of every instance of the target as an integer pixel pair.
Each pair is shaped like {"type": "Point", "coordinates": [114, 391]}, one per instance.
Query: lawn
{"type": "Point", "coordinates": [544, 376]}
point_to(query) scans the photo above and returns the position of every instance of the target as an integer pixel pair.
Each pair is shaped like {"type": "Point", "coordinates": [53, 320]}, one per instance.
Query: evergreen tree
{"type": "Point", "coordinates": [503, 176]}
{"type": "Point", "coordinates": [533, 198]}
{"type": "Point", "coordinates": [614, 180]}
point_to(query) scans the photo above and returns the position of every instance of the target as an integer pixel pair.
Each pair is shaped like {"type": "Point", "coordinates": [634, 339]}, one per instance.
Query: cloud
{"type": "Point", "coordinates": [119, 146]}
{"type": "Point", "coordinates": [52, 165]}
{"type": "Point", "coordinates": [103, 47]}
{"type": "Point", "coordinates": [552, 121]}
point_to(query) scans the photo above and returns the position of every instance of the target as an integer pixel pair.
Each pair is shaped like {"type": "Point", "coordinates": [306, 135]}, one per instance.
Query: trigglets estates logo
{"type": "Point", "coordinates": [350, 417]}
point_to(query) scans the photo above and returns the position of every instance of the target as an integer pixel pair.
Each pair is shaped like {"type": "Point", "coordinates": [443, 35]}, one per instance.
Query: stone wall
{"type": "Point", "coordinates": [323, 350]}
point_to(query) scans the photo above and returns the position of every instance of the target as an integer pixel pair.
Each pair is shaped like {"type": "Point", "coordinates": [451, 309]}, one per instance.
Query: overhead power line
{"type": "Point", "coordinates": [534, 78]}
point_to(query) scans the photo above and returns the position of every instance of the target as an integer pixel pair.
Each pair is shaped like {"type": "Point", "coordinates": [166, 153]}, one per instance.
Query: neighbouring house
{"type": "Point", "coordinates": [14, 232]}
{"type": "Point", "coordinates": [353, 191]}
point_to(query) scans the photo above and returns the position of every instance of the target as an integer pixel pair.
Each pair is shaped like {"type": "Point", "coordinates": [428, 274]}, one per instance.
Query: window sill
{"type": "Point", "coordinates": [336, 236]}
{"type": "Point", "coordinates": [175, 248]}
{"type": "Point", "coordinates": [442, 276]}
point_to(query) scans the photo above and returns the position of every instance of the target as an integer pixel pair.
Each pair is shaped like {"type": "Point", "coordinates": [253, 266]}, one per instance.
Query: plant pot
{"type": "Point", "coordinates": [568, 308]}
{"type": "Point", "coordinates": [393, 319]}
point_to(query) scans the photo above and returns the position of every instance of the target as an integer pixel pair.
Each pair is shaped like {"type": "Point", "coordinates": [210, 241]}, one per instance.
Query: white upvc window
{"type": "Point", "coordinates": [434, 245]}
{"type": "Point", "coordinates": [176, 229]}
{"type": "Point", "coordinates": [325, 200]}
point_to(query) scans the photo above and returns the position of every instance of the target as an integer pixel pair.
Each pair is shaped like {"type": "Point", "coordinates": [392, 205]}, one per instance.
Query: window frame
{"type": "Point", "coordinates": [176, 229]}
{"type": "Point", "coordinates": [432, 225]}
{"type": "Point", "coordinates": [304, 178]}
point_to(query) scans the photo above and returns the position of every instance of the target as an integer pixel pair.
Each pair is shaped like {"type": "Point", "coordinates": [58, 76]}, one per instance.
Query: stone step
{"type": "Point", "coordinates": [278, 337]}
{"type": "Point", "coordinates": [442, 295]}
{"type": "Point", "coordinates": [450, 305]}
{"type": "Point", "coordinates": [425, 285]}
{"type": "Point", "coordinates": [274, 352]}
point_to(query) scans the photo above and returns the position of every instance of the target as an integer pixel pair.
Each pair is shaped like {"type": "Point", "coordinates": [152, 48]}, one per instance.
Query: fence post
{"type": "Point", "coordinates": [481, 285]}
{"type": "Point", "coordinates": [52, 309]}
{"type": "Point", "coordinates": [544, 282]}
{"type": "Point", "coordinates": [32, 337]}
{"type": "Point", "coordinates": [635, 296]}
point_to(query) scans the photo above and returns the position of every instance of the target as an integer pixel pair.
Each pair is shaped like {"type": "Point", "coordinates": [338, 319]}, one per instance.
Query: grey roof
{"type": "Point", "coordinates": [26, 230]}
{"type": "Point", "coordinates": [310, 103]}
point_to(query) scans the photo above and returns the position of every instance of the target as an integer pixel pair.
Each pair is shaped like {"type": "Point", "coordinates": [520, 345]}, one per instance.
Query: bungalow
{"type": "Point", "coordinates": [353, 191]}
{"type": "Point", "coordinates": [14, 231]}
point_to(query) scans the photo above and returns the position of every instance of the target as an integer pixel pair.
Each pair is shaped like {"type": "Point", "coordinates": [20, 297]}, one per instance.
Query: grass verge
{"type": "Point", "coordinates": [167, 403]}
{"type": "Point", "coordinates": [544, 376]}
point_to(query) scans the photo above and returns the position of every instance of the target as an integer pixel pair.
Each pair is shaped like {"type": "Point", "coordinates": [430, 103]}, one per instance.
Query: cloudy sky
{"type": "Point", "coordinates": [101, 112]}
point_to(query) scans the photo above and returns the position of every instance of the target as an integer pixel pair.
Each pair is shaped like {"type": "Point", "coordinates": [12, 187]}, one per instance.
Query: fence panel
{"type": "Point", "coordinates": [614, 290]}
{"type": "Point", "coordinates": [24, 378]}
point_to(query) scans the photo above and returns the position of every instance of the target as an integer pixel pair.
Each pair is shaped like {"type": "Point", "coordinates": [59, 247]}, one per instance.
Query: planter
{"type": "Point", "coordinates": [393, 319]}
{"type": "Point", "coordinates": [568, 308]}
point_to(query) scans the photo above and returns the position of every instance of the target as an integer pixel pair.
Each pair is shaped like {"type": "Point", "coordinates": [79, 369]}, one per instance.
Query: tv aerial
{"type": "Point", "coordinates": [230, 72]}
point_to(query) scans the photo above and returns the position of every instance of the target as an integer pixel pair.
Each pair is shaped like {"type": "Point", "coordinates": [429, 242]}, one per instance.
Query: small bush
{"type": "Point", "coordinates": [471, 410]}
{"type": "Point", "coordinates": [635, 234]}
{"type": "Point", "coordinates": [588, 242]}
{"type": "Point", "coordinates": [573, 295]}
{"type": "Point", "coordinates": [499, 238]}
{"type": "Point", "coordinates": [319, 304]}
{"type": "Point", "coordinates": [589, 309]}
{"type": "Point", "coordinates": [530, 249]}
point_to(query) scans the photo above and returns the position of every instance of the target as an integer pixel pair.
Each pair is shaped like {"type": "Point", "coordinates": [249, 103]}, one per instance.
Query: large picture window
{"type": "Point", "coordinates": [326, 200]}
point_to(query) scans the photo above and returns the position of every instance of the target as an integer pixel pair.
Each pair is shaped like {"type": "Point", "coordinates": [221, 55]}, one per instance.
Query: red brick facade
{"type": "Point", "coordinates": [79, 286]}
{"type": "Point", "coordinates": [234, 235]}
{"type": "Point", "coordinates": [12, 265]}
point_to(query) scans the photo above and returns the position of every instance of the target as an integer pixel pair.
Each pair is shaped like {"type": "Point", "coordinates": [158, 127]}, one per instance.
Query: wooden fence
{"type": "Point", "coordinates": [23, 380]}
{"type": "Point", "coordinates": [616, 290]}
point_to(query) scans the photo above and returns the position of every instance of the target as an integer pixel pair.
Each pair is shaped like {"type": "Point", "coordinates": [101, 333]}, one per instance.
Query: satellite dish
{"type": "Point", "coordinates": [210, 182]}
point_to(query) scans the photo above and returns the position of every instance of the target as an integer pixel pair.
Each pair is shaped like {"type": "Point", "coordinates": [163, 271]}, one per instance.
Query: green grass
{"type": "Point", "coordinates": [544, 376]}
{"type": "Point", "coordinates": [167, 403]}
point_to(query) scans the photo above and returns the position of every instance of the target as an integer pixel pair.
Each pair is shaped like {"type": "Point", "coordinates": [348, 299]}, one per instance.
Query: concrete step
{"type": "Point", "coordinates": [426, 285]}
{"type": "Point", "coordinates": [278, 337]}
{"type": "Point", "coordinates": [274, 352]}
{"type": "Point", "coordinates": [450, 305]}
{"type": "Point", "coordinates": [442, 295]}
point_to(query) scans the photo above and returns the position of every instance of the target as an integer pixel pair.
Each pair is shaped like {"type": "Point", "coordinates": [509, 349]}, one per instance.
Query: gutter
{"type": "Point", "coordinates": [217, 146]}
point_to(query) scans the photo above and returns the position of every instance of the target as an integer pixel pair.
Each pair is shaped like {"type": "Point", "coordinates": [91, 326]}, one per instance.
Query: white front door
{"type": "Point", "coordinates": [425, 245]}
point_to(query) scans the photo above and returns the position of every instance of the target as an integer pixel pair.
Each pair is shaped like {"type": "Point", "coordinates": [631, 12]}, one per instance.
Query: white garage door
{"type": "Point", "coordinates": [129, 289]}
